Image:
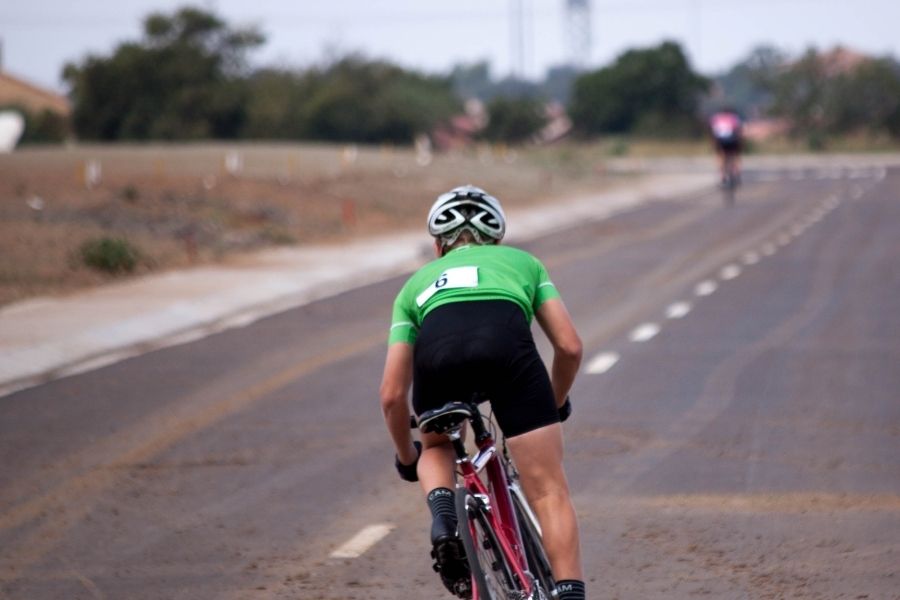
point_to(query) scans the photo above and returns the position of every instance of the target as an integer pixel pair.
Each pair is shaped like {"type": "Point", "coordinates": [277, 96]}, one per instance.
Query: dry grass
{"type": "Point", "coordinates": [180, 204]}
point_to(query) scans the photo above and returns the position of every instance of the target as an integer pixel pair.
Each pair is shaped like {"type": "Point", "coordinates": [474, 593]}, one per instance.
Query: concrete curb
{"type": "Point", "coordinates": [47, 338]}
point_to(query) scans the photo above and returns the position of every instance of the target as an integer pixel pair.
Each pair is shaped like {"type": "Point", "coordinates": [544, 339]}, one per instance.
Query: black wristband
{"type": "Point", "coordinates": [408, 472]}
{"type": "Point", "coordinates": [565, 410]}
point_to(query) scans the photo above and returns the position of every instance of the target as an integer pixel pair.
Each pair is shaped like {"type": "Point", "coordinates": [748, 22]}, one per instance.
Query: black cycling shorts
{"type": "Point", "coordinates": [729, 145]}
{"type": "Point", "coordinates": [484, 347]}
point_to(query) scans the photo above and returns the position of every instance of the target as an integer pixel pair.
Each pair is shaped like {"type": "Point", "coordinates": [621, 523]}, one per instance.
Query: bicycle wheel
{"type": "Point", "coordinates": [538, 563]}
{"type": "Point", "coordinates": [492, 574]}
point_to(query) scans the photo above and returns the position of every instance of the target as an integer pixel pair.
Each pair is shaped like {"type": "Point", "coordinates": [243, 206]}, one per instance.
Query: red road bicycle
{"type": "Point", "coordinates": [499, 532]}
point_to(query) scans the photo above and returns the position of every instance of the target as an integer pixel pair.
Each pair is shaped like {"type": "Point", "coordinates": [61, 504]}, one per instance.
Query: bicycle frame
{"type": "Point", "coordinates": [497, 495]}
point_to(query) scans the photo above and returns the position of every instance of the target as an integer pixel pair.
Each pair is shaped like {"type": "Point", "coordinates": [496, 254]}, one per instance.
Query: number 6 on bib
{"type": "Point", "coordinates": [457, 277]}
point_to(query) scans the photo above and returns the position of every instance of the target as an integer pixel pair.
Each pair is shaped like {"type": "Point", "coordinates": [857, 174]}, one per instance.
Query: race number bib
{"type": "Point", "coordinates": [457, 277]}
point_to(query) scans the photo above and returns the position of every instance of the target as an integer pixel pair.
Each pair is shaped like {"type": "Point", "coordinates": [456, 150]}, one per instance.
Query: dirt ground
{"type": "Point", "coordinates": [184, 205]}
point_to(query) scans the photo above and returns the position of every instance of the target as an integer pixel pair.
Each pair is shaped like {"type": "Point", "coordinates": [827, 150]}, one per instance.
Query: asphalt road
{"type": "Point", "coordinates": [736, 430]}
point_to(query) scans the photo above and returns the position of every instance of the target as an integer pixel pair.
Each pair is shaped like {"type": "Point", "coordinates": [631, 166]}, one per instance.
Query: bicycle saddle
{"type": "Point", "coordinates": [443, 419]}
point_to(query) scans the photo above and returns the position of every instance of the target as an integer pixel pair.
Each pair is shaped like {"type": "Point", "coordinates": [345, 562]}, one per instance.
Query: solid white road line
{"type": "Point", "coordinates": [768, 249]}
{"type": "Point", "coordinates": [362, 541]}
{"type": "Point", "coordinates": [678, 310]}
{"type": "Point", "coordinates": [705, 288]}
{"type": "Point", "coordinates": [750, 258]}
{"type": "Point", "coordinates": [729, 272]}
{"type": "Point", "coordinates": [644, 332]}
{"type": "Point", "coordinates": [602, 363]}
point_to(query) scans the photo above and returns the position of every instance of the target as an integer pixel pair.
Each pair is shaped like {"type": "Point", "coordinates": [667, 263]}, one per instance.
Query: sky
{"type": "Point", "coordinates": [40, 36]}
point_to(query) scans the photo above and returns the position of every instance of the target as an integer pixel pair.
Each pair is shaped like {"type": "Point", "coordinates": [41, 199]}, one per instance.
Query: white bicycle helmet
{"type": "Point", "coordinates": [466, 208]}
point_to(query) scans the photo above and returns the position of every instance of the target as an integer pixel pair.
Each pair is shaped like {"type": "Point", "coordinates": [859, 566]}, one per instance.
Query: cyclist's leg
{"type": "Point", "coordinates": [722, 159]}
{"type": "Point", "coordinates": [436, 465]}
{"type": "Point", "coordinates": [436, 476]}
{"type": "Point", "coordinates": [538, 457]}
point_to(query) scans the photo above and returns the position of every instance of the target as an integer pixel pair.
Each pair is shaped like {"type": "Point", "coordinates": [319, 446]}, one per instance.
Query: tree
{"type": "Point", "coordinates": [838, 93]}
{"type": "Point", "coordinates": [183, 80]}
{"type": "Point", "coordinates": [876, 86]}
{"type": "Point", "coordinates": [865, 99]}
{"type": "Point", "coordinates": [513, 120]}
{"type": "Point", "coordinates": [374, 101]}
{"type": "Point", "coordinates": [472, 80]}
{"type": "Point", "coordinates": [558, 83]}
{"type": "Point", "coordinates": [747, 86]}
{"type": "Point", "coordinates": [647, 91]}
{"type": "Point", "coordinates": [800, 92]}
{"type": "Point", "coordinates": [276, 104]}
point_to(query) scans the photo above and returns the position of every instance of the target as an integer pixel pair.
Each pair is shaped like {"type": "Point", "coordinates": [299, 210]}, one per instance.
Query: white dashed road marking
{"type": "Point", "coordinates": [362, 541]}
{"type": "Point", "coordinates": [705, 288]}
{"type": "Point", "coordinates": [602, 363]}
{"type": "Point", "coordinates": [644, 332]}
{"type": "Point", "coordinates": [678, 310]}
{"type": "Point", "coordinates": [729, 272]}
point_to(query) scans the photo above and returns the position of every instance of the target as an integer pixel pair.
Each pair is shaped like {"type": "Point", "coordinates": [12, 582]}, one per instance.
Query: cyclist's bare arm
{"type": "Point", "coordinates": [398, 370]}
{"type": "Point", "coordinates": [554, 319]}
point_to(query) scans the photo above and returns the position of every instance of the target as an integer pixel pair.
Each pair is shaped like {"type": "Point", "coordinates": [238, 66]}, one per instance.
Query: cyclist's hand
{"type": "Point", "coordinates": [565, 410]}
{"type": "Point", "coordinates": [408, 472]}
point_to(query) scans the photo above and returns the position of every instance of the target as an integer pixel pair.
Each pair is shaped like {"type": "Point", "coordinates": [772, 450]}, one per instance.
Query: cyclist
{"type": "Point", "coordinates": [461, 325]}
{"type": "Point", "coordinates": [726, 128]}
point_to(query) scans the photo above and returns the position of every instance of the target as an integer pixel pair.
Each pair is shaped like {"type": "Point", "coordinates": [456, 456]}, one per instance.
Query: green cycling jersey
{"type": "Point", "coordinates": [467, 273]}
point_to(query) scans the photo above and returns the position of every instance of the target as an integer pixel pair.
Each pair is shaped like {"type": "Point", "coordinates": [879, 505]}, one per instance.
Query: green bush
{"type": "Point", "coordinates": [112, 255]}
{"type": "Point", "coordinates": [514, 120]}
{"type": "Point", "coordinates": [130, 193]}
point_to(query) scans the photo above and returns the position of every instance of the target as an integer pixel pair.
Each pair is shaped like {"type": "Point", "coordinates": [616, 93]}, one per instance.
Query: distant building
{"type": "Point", "coordinates": [35, 99]}
{"type": "Point", "coordinates": [759, 130]}
{"type": "Point", "coordinates": [461, 130]}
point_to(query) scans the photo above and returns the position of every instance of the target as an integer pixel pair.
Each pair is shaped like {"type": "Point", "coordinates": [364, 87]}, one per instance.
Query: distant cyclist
{"type": "Point", "coordinates": [461, 325]}
{"type": "Point", "coordinates": [726, 128]}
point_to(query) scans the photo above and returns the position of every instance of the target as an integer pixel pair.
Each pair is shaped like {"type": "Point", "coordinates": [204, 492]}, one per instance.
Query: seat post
{"type": "Point", "coordinates": [458, 445]}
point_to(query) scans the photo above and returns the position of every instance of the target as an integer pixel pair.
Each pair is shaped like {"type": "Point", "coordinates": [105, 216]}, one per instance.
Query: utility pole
{"type": "Point", "coordinates": [578, 32]}
{"type": "Point", "coordinates": [520, 36]}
